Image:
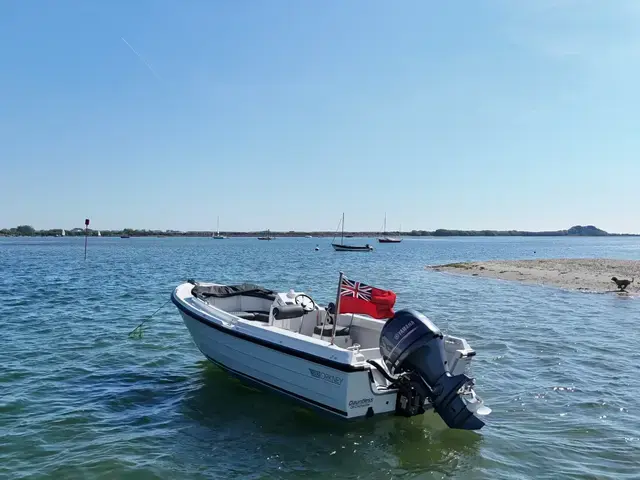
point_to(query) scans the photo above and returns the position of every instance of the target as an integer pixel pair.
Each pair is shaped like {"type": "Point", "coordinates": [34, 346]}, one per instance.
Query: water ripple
{"type": "Point", "coordinates": [79, 399]}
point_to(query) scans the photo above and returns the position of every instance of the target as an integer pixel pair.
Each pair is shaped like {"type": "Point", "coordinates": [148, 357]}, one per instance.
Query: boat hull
{"type": "Point", "coordinates": [351, 248]}
{"type": "Point", "coordinates": [389, 240]}
{"type": "Point", "coordinates": [343, 391]}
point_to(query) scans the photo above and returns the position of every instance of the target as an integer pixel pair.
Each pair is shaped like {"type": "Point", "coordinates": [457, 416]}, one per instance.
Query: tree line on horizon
{"type": "Point", "coordinates": [578, 230]}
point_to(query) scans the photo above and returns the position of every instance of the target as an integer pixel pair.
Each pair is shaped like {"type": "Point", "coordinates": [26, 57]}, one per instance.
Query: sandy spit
{"type": "Point", "coordinates": [584, 274]}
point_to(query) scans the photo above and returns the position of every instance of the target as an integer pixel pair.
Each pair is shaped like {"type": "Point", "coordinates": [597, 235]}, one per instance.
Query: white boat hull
{"type": "Point", "coordinates": [343, 393]}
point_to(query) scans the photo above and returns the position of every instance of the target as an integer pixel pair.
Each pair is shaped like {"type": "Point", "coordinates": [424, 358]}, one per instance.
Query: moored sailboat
{"type": "Point", "coordinates": [386, 238]}
{"type": "Point", "coordinates": [342, 247]}
{"type": "Point", "coordinates": [217, 235]}
{"type": "Point", "coordinates": [267, 236]}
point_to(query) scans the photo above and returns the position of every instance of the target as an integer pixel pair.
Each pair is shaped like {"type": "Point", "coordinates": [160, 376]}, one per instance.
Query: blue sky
{"type": "Point", "coordinates": [283, 114]}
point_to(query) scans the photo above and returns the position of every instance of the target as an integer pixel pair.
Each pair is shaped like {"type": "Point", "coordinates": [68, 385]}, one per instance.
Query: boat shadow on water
{"type": "Point", "coordinates": [225, 406]}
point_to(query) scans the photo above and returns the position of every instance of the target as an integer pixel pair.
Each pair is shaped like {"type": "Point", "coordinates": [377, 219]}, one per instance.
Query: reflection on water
{"type": "Point", "coordinates": [220, 402]}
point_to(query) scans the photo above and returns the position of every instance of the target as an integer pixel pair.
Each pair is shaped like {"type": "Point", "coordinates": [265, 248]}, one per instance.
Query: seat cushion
{"type": "Point", "coordinates": [255, 316]}
{"type": "Point", "coordinates": [328, 331]}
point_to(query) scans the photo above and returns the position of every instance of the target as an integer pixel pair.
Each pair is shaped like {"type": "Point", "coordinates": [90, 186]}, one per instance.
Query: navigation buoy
{"type": "Point", "coordinates": [86, 231]}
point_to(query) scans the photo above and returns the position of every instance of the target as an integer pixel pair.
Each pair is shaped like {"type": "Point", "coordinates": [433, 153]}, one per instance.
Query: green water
{"type": "Point", "coordinates": [79, 399]}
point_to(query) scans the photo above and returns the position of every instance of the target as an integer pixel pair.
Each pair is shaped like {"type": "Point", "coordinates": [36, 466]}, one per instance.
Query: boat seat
{"type": "Point", "coordinates": [328, 331]}
{"type": "Point", "coordinates": [256, 316]}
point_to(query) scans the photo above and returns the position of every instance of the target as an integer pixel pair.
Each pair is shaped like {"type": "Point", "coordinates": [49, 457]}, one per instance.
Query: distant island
{"type": "Point", "coordinates": [576, 231]}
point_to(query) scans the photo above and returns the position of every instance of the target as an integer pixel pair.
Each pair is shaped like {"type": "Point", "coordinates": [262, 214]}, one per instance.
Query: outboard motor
{"type": "Point", "coordinates": [413, 349]}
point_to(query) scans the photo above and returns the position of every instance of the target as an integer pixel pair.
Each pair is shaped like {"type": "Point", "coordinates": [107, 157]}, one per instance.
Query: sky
{"type": "Point", "coordinates": [165, 114]}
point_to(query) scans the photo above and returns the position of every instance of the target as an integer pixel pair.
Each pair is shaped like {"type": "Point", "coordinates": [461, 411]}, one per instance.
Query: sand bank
{"type": "Point", "coordinates": [584, 274]}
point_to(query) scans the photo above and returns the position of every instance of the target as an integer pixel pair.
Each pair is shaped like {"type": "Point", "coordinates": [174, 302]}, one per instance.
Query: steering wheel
{"type": "Point", "coordinates": [306, 302]}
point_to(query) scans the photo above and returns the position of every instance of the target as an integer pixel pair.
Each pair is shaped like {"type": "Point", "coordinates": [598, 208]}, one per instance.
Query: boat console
{"type": "Point", "coordinates": [298, 312]}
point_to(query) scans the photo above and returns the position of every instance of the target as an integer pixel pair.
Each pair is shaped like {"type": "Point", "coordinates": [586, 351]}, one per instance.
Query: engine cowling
{"type": "Point", "coordinates": [413, 349]}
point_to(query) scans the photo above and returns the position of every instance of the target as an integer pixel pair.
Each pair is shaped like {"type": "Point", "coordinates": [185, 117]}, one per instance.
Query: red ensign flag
{"type": "Point", "coordinates": [356, 297]}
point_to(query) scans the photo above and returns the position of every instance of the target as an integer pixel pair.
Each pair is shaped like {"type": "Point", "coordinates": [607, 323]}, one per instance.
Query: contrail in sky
{"type": "Point", "coordinates": [142, 59]}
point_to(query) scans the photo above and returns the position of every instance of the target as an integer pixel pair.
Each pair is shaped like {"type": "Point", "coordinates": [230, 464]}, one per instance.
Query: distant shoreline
{"type": "Point", "coordinates": [576, 231]}
{"type": "Point", "coordinates": [298, 235]}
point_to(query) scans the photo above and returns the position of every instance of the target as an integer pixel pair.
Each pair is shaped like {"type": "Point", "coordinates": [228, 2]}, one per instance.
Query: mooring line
{"type": "Point", "coordinates": [137, 332]}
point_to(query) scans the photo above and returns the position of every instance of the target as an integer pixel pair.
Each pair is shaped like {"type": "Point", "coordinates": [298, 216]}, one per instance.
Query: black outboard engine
{"type": "Point", "coordinates": [413, 349]}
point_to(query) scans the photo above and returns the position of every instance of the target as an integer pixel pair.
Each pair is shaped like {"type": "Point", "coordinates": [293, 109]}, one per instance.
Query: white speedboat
{"type": "Point", "coordinates": [354, 368]}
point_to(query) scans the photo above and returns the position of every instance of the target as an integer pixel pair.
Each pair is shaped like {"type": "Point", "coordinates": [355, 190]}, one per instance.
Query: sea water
{"type": "Point", "coordinates": [80, 399]}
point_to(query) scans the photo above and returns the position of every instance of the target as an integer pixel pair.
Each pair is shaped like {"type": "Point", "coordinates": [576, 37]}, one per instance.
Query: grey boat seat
{"type": "Point", "coordinates": [328, 331]}
{"type": "Point", "coordinates": [257, 316]}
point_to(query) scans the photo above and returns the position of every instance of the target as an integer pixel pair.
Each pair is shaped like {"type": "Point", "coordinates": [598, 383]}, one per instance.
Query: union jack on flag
{"type": "Point", "coordinates": [349, 288]}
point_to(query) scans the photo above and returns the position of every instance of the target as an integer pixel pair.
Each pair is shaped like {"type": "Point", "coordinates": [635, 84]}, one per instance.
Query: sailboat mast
{"type": "Point", "coordinates": [385, 223]}
{"type": "Point", "coordinates": [342, 237]}
{"type": "Point", "coordinates": [218, 226]}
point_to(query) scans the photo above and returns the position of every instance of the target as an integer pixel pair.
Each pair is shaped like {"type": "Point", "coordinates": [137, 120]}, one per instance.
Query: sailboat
{"type": "Point", "coordinates": [99, 234]}
{"type": "Point", "coordinates": [267, 237]}
{"type": "Point", "coordinates": [63, 232]}
{"type": "Point", "coordinates": [341, 247]}
{"type": "Point", "coordinates": [386, 238]}
{"type": "Point", "coordinates": [217, 236]}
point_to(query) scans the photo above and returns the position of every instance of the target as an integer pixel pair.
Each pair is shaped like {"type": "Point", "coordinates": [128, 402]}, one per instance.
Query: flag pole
{"type": "Point", "coordinates": [337, 314]}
